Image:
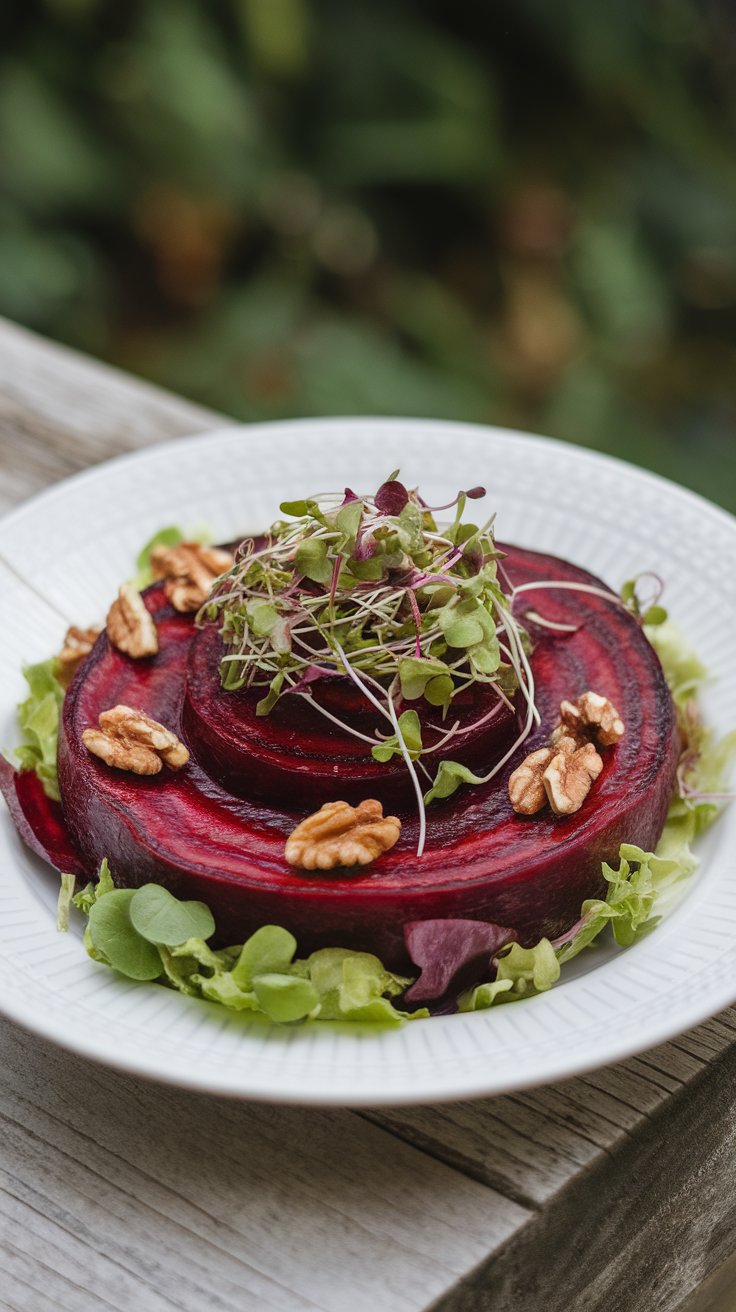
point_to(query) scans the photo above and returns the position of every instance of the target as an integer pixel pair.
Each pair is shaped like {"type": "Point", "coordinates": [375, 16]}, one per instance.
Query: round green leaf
{"type": "Point", "coordinates": [464, 633]}
{"type": "Point", "coordinates": [266, 952]}
{"type": "Point", "coordinates": [311, 560]}
{"type": "Point", "coordinates": [162, 918]}
{"type": "Point", "coordinates": [486, 657]}
{"type": "Point", "coordinates": [655, 615]}
{"type": "Point", "coordinates": [415, 673]}
{"type": "Point", "coordinates": [439, 691]}
{"type": "Point", "coordinates": [285, 997]}
{"type": "Point", "coordinates": [113, 934]}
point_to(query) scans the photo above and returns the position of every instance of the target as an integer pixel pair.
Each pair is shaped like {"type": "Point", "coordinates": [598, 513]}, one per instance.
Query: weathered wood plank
{"type": "Point", "coordinates": [179, 1200]}
{"type": "Point", "coordinates": [60, 412]}
{"type": "Point", "coordinates": [640, 1229]}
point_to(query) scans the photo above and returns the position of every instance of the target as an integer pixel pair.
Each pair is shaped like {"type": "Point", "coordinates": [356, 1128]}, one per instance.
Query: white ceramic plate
{"type": "Point", "coordinates": [62, 557]}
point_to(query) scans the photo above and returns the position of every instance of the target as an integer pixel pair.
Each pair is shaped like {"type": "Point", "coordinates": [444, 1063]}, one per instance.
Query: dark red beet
{"type": "Point", "coordinates": [482, 862]}
{"type": "Point", "coordinates": [297, 757]}
{"type": "Point", "coordinates": [38, 818]}
{"type": "Point", "coordinates": [452, 955]}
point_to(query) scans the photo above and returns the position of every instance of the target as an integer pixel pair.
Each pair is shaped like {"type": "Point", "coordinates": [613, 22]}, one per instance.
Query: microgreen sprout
{"type": "Point", "coordinates": [369, 587]}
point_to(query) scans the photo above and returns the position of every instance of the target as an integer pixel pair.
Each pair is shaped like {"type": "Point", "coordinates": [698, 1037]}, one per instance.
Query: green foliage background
{"type": "Point", "coordinates": [512, 211]}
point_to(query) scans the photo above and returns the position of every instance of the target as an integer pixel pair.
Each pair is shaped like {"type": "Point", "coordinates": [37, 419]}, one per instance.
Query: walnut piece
{"type": "Point", "coordinates": [570, 774]}
{"type": "Point", "coordinates": [131, 740]}
{"type": "Point", "coordinates": [78, 643]}
{"type": "Point", "coordinates": [189, 571]}
{"type": "Point", "coordinates": [130, 627]}
{"type": "Point", "coordinates": [526, 785]}
{"type": "Point", "coordinates": [591, 716]}
{"type": "Point", "coordinates": [342, 835]}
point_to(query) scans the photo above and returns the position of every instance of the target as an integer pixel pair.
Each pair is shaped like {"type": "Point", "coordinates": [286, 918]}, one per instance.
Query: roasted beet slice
{"type": "Point", "coordinates": [482, 862]}
{"type": "Point", "coordinates": [38, 818]}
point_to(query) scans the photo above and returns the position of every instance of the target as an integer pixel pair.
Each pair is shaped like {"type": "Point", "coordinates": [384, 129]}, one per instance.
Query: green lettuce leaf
{"type": "Point", "coordinates": [148, 934]}
{"type": "Point", "coordinates": [114, 935]}
{"type": "Point", "coordinates": [682, 669]}
{"type": "Point", "coordinates": [166, 537]}
{"type": "Point", "coordinates": [161, 918]}
{"type": "Point", "coordinates": [66, 893]}
{"type": "Point", "coordinates": [521, 973]}
{"type": "Point", "coordinates": [38, 717]}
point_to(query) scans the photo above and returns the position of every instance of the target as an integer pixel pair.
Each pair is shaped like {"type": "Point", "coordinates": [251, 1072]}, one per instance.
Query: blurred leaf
{"type": "Point", "coordinates": [47, 157]}
{"type": "Point", "coordinates": [278, 33]}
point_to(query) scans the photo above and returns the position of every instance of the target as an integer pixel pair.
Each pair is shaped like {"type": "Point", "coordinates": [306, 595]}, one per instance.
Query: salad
{"type": "Point", "coordinates": [358, 648]}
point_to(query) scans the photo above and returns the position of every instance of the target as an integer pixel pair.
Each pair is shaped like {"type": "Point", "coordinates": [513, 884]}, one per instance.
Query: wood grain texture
{"type": "Point", "coordinates": [60, 412]}
{"type": "Point", "coordinates": [183, 1201]}
{"type": "Point", "coordinates": [612, 1192]}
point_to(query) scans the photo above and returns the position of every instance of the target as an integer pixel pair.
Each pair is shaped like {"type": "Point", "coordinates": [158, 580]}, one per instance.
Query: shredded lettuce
{"type": "Point", "coordinates": [38, 717]}
{"type": "Point", "coordinates": [146, 934]}
{"type": "Point", "coordinates": [66, 894]}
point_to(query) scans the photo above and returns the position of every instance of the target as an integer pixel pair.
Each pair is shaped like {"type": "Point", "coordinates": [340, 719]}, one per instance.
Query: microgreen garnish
{"type": "Point", "coordinates": [369, 587]}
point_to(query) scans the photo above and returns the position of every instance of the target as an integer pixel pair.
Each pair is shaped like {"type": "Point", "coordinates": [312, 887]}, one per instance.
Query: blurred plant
{"type": "Point", "coordinates": [521, 213]}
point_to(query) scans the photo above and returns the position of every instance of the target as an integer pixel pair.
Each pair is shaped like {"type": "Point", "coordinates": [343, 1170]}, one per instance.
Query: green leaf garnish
{"type": "Point", "coordinates": [66, 893]}
{"type": "Point", "coordinates": [411, 732]}
{"type": "Point", "coordinates": [38, 717]}
{"type": "Point", "coordinates": [311, 560]}
{"type": "Point", "coordinates": [521, 973]}
{"type": "Point", "coordinates": [114, 935]}
{"type": "Point", "coordinates": [269, 951]}
{"type": "Point", "coordinates": [416, 673]}
{"type": "Point", "coordinates": [449, 777]}
{"type": "Point", "coordinates": [133, 930]}
{"type": "Point", "coordinates": [267, 703]}
{"type": "Point", "coordinates": [285, 997]}
{"type": "Point", "coordinates": [162, 918]}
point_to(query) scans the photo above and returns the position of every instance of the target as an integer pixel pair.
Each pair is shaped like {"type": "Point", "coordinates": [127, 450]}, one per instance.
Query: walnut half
{"type": "Point", "coordinates": [189, 571]}
{"type": "Point", "coordinates": [342, 835]}
{"type": "Point", "coordinates": [130, 627]}
{"type": "Point", "coordinates": [570, 775]}
{"type": "Point", "coordinates": [526, 784]}
{"type": "Point", "coordinates": [592, 716]}
{"type": "Point", "coordinates": [78, 643]}
{"type": "Point", "coordinates": [131, 740]}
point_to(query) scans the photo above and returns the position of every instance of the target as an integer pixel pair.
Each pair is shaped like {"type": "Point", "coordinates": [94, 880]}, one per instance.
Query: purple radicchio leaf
{"type": "Point", "coordinates": [350, 496]}
{"type": "Point", "coordinates": [391, 497]}
{"type": "Point", "coordinates": [452, 954]}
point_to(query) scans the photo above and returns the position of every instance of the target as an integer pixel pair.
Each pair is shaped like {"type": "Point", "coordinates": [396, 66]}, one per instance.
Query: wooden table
{"type": "Point", "coordinates": [613, 1192]}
